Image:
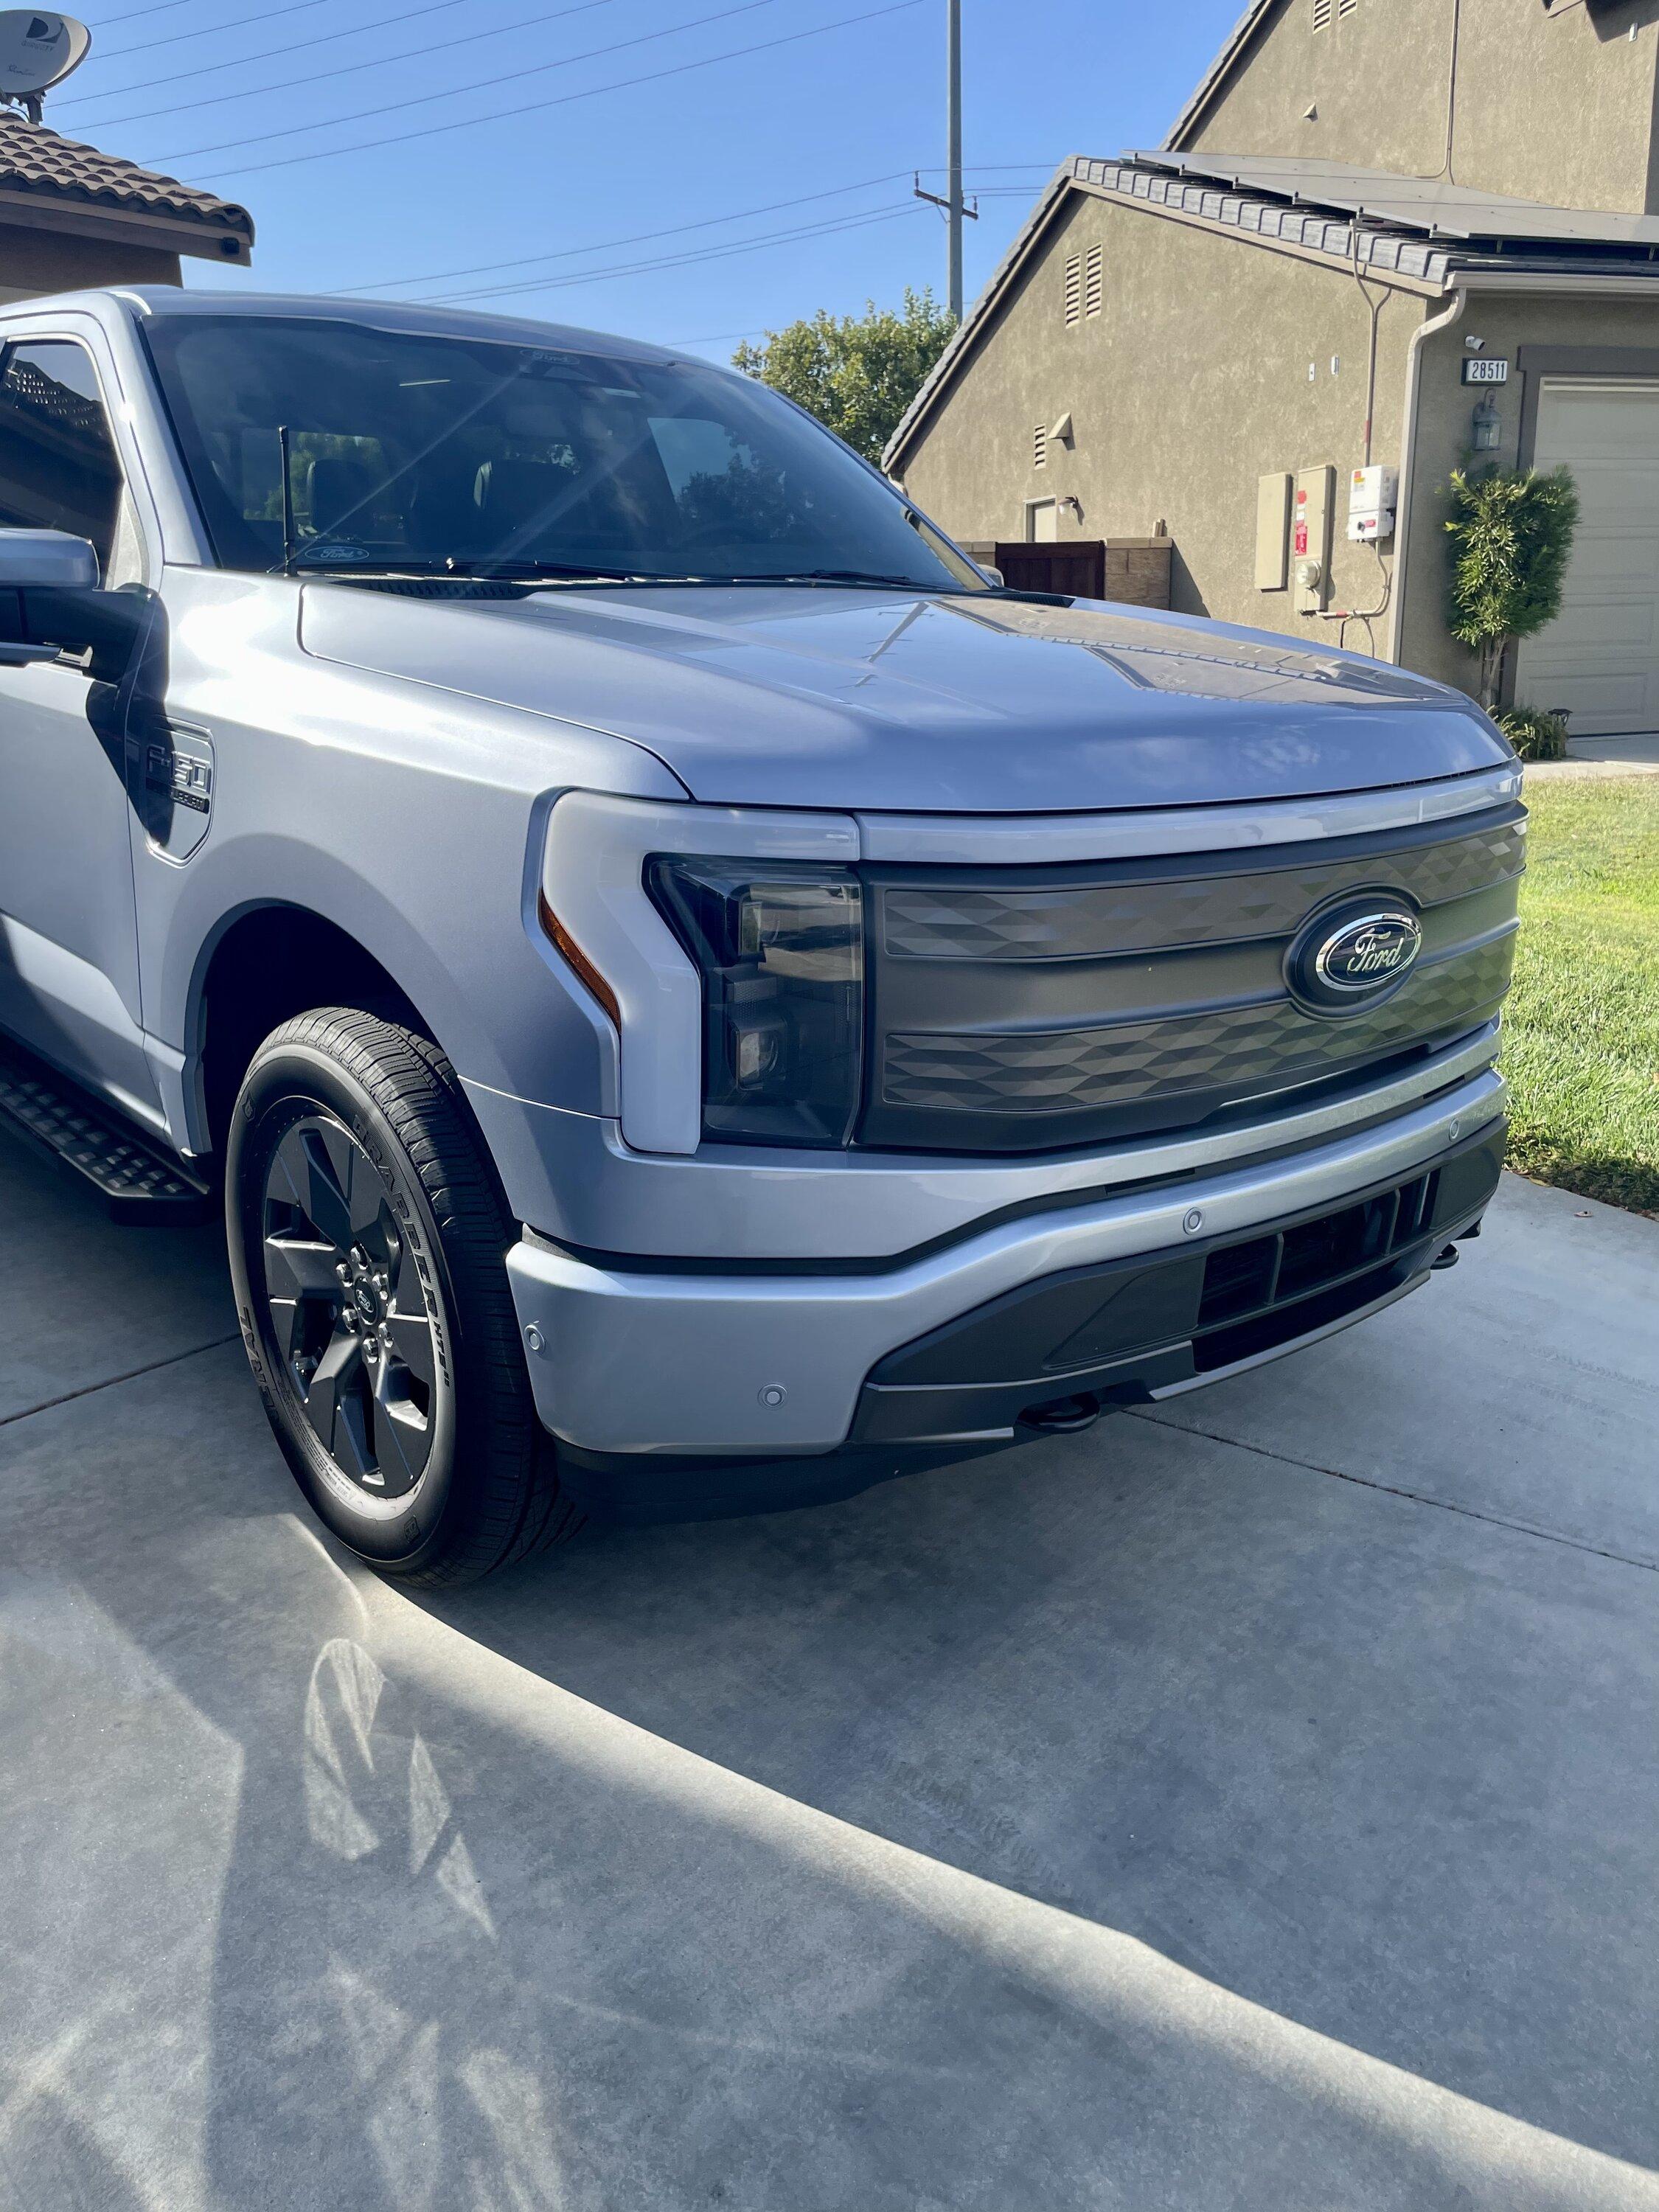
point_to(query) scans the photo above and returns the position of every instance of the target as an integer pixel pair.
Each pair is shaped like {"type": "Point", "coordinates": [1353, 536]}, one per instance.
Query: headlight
{"type": "Point", "coordinates": [779, 946]}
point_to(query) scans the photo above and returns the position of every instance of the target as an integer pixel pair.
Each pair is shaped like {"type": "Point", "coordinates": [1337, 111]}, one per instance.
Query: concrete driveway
{"type": "Point", "coordinates": [1251, 1804]}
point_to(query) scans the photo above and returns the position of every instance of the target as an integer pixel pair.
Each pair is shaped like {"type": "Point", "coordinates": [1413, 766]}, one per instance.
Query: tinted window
{"type": "Point", "coordinates": [408, 450]}
{"type": "Point", "coordinates": [58, 465]}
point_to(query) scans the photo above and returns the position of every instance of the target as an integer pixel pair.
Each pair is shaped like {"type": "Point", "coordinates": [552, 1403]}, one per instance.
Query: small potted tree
{"type": "Point", "coordinates": [1511, 533]}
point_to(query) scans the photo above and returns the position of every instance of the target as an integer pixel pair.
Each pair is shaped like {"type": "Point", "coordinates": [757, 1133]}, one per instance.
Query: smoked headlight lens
{"type": "Point", "coordinates": [779, 946]}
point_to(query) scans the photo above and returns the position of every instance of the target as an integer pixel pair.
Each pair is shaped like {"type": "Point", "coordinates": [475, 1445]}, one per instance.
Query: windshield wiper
{"type": "Point", "coordinates": [804, 576]}
{"type": "Point", "coordinates": [535, 571]}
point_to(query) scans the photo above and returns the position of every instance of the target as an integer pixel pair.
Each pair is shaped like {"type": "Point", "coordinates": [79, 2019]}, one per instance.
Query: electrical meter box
{"type": "Point", "coordinates": [1371, 497]}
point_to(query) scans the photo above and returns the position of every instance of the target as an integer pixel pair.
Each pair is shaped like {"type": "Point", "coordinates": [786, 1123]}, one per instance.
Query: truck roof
{"type": "Point", "coordinates": [159, 299]}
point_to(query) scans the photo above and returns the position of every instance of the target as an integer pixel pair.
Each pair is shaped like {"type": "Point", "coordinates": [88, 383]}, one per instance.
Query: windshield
{"type": "Point", "coordinates": [332, 444]}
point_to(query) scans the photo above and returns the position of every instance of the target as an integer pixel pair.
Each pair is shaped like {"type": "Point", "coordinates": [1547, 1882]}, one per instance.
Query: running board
{"type": "Point", "coordinates": [140, 1182]}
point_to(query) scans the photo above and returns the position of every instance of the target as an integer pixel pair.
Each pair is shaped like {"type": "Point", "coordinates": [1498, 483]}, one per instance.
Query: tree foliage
{"type": "Point", "coordinates": [857, 373]}
{"type": "Point", "coordinates": [1511, 536]}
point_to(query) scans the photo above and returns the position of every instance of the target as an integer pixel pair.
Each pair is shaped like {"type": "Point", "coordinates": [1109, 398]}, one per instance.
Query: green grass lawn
{"type": "Point", "coordinates": [1581, 1028]}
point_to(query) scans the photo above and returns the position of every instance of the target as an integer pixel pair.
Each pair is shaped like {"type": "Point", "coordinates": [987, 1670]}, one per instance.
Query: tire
{"type": "Point", "coordinates": [367, 1240]}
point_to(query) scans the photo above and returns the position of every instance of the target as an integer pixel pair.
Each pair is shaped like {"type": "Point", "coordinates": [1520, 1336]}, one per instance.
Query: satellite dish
{"type": "Point", "coordinates": [38, 51]}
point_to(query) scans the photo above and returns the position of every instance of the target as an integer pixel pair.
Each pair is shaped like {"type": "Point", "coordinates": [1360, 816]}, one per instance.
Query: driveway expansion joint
{"type": "Point", "coordinates": [1394, 1490]}
{"type": "Point", "coordinates": [109, 1382]}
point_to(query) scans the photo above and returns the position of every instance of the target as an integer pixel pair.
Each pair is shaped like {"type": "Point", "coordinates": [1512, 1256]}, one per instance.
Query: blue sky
{"type": "Point", "coordinates": [646, 132]}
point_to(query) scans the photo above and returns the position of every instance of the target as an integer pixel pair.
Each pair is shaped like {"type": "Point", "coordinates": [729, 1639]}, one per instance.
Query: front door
{"type": "Point", "coordinates": [69, 954]}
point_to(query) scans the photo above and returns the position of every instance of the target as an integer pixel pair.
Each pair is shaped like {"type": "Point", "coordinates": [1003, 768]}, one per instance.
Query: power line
{"type": "Point", "coordinates": [828, 228]}
{"type": "Point", "coordinates": [674, 230]}
{"type": "Point", "coordinates": [245, 61]}
{"type": "Point", "coordinates": [639, 237]}
{"type": "Point", "coordinates": [479, 84]}
{"type": "Point", "coordinates": [160, 7]}
{"type": "Point", "coordinates": [715, 338]}
{"type": "Point", "coordinates": [560, 100]}
{"type": "Point", "coordinates": [351, 69]}
{"type": "Point", "coordinates": [174, 37]}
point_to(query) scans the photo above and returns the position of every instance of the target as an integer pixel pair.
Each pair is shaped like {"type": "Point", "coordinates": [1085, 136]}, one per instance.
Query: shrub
{"type": "Point", "coordinates": [1511, 535]}
{"type": "Point", "coordinates": [1536, 733]}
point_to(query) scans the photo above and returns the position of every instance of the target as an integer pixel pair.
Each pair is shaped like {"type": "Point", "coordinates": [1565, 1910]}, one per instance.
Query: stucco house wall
{"type": "Point", "coordinates": [1192, 382]}
{"type": "Point", "coordinates": [1553, 104]}
{"type": "Point", "coordinates": [1583, 335]}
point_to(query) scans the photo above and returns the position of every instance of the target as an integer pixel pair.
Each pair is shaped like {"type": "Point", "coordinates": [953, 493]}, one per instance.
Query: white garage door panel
{"type": "Point", "coordinates": [1596, 702]}
{"type": "Point", "coordinates": [1600, 657]}
{"type": "Point", "coordinates": [1607, 561]}
{"type": "Point", "coordinates": [1597, 625]}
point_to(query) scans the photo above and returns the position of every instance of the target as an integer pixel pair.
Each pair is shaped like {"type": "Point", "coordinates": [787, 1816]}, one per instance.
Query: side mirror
{"type": "Point", "coordinates": [49, 560]}
{"type": "Point", "coordinates": [50, 602]}
{"type": "Point", "coordinates": [992, 575]}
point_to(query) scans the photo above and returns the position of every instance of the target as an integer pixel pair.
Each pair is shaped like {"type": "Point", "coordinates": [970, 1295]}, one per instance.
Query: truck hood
{"type": "Point", "coordinates": [882, 699]}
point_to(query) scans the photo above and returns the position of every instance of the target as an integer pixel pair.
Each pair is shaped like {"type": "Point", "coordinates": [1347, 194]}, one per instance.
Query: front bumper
{"type": "Point", "coordinates": [698, 1361]}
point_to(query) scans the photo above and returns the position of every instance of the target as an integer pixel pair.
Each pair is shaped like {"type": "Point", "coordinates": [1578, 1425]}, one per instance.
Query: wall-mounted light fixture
{"type": "Point", "coordinates": [1485, 428]}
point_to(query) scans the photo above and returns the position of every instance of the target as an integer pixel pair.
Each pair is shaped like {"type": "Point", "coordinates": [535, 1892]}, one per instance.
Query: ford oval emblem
{"type": "Point", "coordinates": [1348, 959]}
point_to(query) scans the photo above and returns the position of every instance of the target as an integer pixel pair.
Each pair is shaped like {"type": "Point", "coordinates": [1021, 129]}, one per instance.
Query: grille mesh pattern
{"type": "Point", "coordinates": [1242, 1049]}
{"type": "Point", "coordinates": [1070, 923]}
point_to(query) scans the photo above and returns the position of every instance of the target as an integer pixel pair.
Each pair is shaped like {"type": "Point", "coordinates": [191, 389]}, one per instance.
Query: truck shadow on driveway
{"type": "Point", "coordinates": [1119, 1804]}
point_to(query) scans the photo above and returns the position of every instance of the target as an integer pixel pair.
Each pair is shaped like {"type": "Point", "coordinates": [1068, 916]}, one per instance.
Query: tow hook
{"type": "Point", "coordinates": [1061, 1417]}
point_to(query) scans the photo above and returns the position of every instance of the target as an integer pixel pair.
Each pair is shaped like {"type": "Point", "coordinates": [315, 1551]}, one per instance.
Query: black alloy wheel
{"type": "Point", "coordinates": [369, 1238]}
{"type": "Point", "coordinates": [347, 1308]}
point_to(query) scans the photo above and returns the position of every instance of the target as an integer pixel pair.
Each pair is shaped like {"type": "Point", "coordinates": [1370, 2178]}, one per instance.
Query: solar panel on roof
{"type": "Point", "coordinates": [1428, 204]}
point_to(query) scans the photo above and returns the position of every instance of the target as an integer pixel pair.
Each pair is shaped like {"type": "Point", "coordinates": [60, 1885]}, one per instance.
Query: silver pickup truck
{"type": "Point", "coordinates": [696, 997]}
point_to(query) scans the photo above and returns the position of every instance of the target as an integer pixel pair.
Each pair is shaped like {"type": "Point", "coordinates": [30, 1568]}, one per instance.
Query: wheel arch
{"type": "Point", "coordinates": [269, 960]}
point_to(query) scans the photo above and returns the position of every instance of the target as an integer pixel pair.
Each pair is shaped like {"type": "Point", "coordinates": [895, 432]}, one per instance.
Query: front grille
{"type": "Point", "coordinates": [1029, 1010]}
{"type": "Point", "coordinates": [1236, 1050]}
{"type": "Point", "coordinates": [1084, 920]}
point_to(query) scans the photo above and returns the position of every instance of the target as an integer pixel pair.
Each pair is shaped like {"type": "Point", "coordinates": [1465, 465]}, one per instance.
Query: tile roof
{"type": "Point", "coordinates": [36, 161]}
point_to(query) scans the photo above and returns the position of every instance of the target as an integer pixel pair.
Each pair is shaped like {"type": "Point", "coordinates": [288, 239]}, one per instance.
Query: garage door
{"type": "Point", "coordinates": [1600, 657]}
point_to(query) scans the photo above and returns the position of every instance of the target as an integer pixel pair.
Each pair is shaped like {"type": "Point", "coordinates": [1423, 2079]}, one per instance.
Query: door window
{"type": "Point", "coordinates": [58, 469]}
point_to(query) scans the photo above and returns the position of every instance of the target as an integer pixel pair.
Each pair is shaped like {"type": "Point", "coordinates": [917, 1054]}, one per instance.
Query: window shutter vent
{"type": "Point", "coordinates": [1040, 446]}
{"type": "Point", "coordinates": [1073, 290]}
{"type": "Point", "coordinates": [1322, 14]}
{"type": "Point", "coordinates": [1095, 283]}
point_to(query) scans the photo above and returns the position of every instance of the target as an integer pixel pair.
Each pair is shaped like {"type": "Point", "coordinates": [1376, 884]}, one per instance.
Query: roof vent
{"type": "Point", "coordinates": [1095, 282]}
{"type": "Point", "coordinates": [1322, 14]}
{"type": "Point", "coordinates": [1073, 290]}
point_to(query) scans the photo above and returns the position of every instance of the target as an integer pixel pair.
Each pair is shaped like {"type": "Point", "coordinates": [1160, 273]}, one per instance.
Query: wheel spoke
{"type": "Point", "coordinates": [411, 1345]}
{"type": "Point", "coordinates": [288, 1182]}
{"type": "Point", "coordinates": [335, 1395]}
{"type": "Point", "coordinates": [359, 1187]}
{"type": "Point", "coordinates": [298, 1268]}
{"type": "Point", "coordinates": [325, 1199]}
{"type": "Point", "coordinates": [402, 1436]}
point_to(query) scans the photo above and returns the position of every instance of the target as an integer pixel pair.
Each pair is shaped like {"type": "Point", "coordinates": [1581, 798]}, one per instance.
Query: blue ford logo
{"type": "Point", "coordinates": [1349, 959]}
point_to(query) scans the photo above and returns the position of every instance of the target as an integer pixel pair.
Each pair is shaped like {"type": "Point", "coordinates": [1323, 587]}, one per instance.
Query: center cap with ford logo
{"type": "Point", "coordinates": [1348, 958]}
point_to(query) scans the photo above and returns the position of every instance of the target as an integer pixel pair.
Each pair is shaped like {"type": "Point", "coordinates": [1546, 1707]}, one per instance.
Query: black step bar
{"type": "Point", "coordinates": [140, 1181]}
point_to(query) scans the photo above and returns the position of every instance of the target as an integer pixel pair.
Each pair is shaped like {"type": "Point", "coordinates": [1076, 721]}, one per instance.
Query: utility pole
{"type": "Point", "coordinates": [955, 206]}
{"type": "Point", "coordinates": [953, 151]}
